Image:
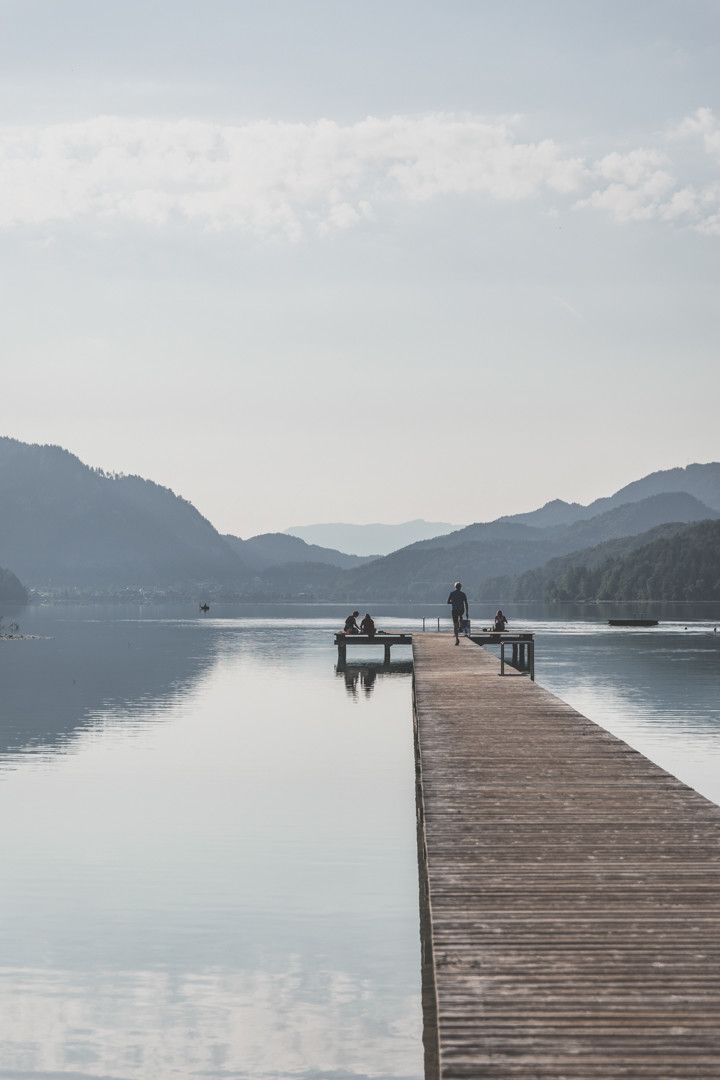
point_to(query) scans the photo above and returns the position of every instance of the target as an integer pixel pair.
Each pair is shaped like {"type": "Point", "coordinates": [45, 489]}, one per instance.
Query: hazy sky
{"type": "Point", "coordinates": [362, 260]}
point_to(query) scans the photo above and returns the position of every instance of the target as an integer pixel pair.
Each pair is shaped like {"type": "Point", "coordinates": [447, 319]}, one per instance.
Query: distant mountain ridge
{"type": "Point", "coordinates": [375, 539]}
{"type": "Point", "coordinates": [68, 526]}
{"type": "Point", "coordinates": [501, 548]}
{"type": "Point", "coordinates": [275, 549]}
{"type": "Point", "coordinates": [64, 523]}
{"type": "Point", "coordinates": [700, 480]}
{"type": "Point", "coordinates": [555, 512]}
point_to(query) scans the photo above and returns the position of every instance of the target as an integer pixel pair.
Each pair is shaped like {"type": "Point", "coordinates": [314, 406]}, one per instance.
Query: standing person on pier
{"type": "Point", "coordinates": [460, 609]}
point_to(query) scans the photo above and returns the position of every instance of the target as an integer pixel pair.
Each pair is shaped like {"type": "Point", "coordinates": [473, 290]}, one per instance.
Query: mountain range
{"type": "Point", "coordinates": [65, 524]}
{"type": "Point", "coordinates": [492, 549]}
{"type": "Point", "coordinates": [276, 549]}
{"type": "Point", "coordinates": [371, 540]}
{"type": "Point", "coordinates": [68, 526]}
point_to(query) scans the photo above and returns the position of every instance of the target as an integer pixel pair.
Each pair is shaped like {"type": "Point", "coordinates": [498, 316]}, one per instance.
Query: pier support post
{"type": "Point", "coordinates": [386, 657]}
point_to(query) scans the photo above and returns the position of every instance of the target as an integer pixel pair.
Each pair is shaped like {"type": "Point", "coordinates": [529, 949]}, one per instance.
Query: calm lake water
{"type": "Point", "coordinates": [207, 835]}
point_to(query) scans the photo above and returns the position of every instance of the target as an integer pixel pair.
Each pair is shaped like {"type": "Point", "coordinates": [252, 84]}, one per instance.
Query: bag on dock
{"type": "Point", "coordinates": [465, 627]}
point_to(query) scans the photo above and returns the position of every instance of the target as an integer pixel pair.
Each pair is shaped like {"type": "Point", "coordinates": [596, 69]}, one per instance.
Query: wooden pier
{"type": "Point", "coordinates": [570, 899]}
{"type": "Point", "coordinates": [523, 646]}
{"type": "Point", "coordinates": [386, 640]}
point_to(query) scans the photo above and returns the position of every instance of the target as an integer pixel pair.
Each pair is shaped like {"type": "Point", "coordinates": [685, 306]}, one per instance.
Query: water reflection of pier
{"type": "Point", "coordinates": [363, 676]}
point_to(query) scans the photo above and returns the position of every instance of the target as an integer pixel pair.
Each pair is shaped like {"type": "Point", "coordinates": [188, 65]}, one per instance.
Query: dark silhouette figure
{"type": "Point", "coordinates": [367, 626]}
{"type": "Point", "coordinates": [460, 610]}
{"type": "Point", "coordinates": [351, 626]}
{"type": "Point", "coordinates": [352, 675]}
{"type": "Point", "coordinates": [500, 622]}
{"type": "Point", "coordinates": [204, 607]}
{"type": "Point", "coordinates": [367, 680]}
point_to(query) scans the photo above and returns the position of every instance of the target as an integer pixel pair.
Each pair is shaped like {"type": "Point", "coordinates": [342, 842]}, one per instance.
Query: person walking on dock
{"type": "Point", "coordinates": [460, 609]}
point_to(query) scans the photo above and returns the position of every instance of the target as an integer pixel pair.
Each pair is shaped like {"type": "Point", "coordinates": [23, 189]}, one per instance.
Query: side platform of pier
{"type": "Point", "coordinates": [571, 892]}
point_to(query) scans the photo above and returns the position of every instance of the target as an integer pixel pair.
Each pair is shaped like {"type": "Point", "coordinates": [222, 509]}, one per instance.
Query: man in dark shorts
{"type": "Point", "coordinates": [460, 609]}
{"type": "Point", "coordinates": [351, 626]}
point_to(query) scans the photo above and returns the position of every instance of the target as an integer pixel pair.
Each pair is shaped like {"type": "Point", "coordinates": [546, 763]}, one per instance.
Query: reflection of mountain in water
{"type": "Point", "coordinates": [51, 687]}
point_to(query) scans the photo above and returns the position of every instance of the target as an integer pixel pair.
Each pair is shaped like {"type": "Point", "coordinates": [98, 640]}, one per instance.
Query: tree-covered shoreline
{"type": "Point", "coordinates": [682, 564]}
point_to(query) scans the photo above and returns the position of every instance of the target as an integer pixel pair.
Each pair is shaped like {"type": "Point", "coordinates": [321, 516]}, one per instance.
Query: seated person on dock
{"type": "Point", "coordinates": [500, 622]}
{"type": "Point", "coordinates": [367, 626]}
{"type": "Point", "coordinates": [351, 626]}
{"type": "Point", "coordinates": [460, 609]}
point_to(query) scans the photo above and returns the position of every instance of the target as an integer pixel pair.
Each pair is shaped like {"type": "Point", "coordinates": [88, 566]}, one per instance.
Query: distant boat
{"type": "Point", "coordinates": [633, 622]}
{"type": "Point", "coordinates": [204, 607]}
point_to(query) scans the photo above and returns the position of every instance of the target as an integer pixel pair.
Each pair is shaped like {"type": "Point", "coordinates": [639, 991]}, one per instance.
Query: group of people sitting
{"type": "Point", "coordinates": [367, 626]}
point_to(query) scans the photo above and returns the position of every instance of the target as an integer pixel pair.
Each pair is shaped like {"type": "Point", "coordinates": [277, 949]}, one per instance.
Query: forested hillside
{"type": "Point", "coordinates": [551, 580]}
{"type": "Point", "coordinates": [681, 567]}
{"type": "Point", "coordinates": [66, 524]}
{"type": "Point", "coordinates": [681, 563]}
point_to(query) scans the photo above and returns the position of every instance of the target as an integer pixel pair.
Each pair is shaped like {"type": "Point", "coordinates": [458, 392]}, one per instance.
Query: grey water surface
{"type": "Point", "coordinates": [208, 853]}
{"type": "Point", "coordinates": [658, 689]}
{"type": "Point", "coordinates": [207, 834]}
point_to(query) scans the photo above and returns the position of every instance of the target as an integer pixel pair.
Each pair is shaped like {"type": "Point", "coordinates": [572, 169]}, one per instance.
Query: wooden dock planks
{"type": "Point", "coordinates": [573, 887]}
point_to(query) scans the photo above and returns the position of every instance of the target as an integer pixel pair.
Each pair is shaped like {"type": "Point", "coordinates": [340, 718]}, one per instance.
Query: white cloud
{"type": "Point", "coordinates": [636, 185]}
{"type": "Point", "coordinates": [293, 178]}
{"type": "Point", "coordinates": [703, 123]}
{"type": "Point", "coordinates": [266, 176]}
{"type": "Point", "coordinates": [657, 183]}
{"type": "Point", "coordinates": [630, 169]}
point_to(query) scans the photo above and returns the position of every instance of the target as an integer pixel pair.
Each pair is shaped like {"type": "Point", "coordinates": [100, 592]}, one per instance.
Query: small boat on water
{"type": "Point", "coordinates": [633, 622]}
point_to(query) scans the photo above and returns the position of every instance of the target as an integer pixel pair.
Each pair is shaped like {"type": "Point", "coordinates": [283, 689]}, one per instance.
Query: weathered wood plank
{"type": "Point", "coordinates": [376, 639]}
{"type": "Point", "coordinates": [572, 886]}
